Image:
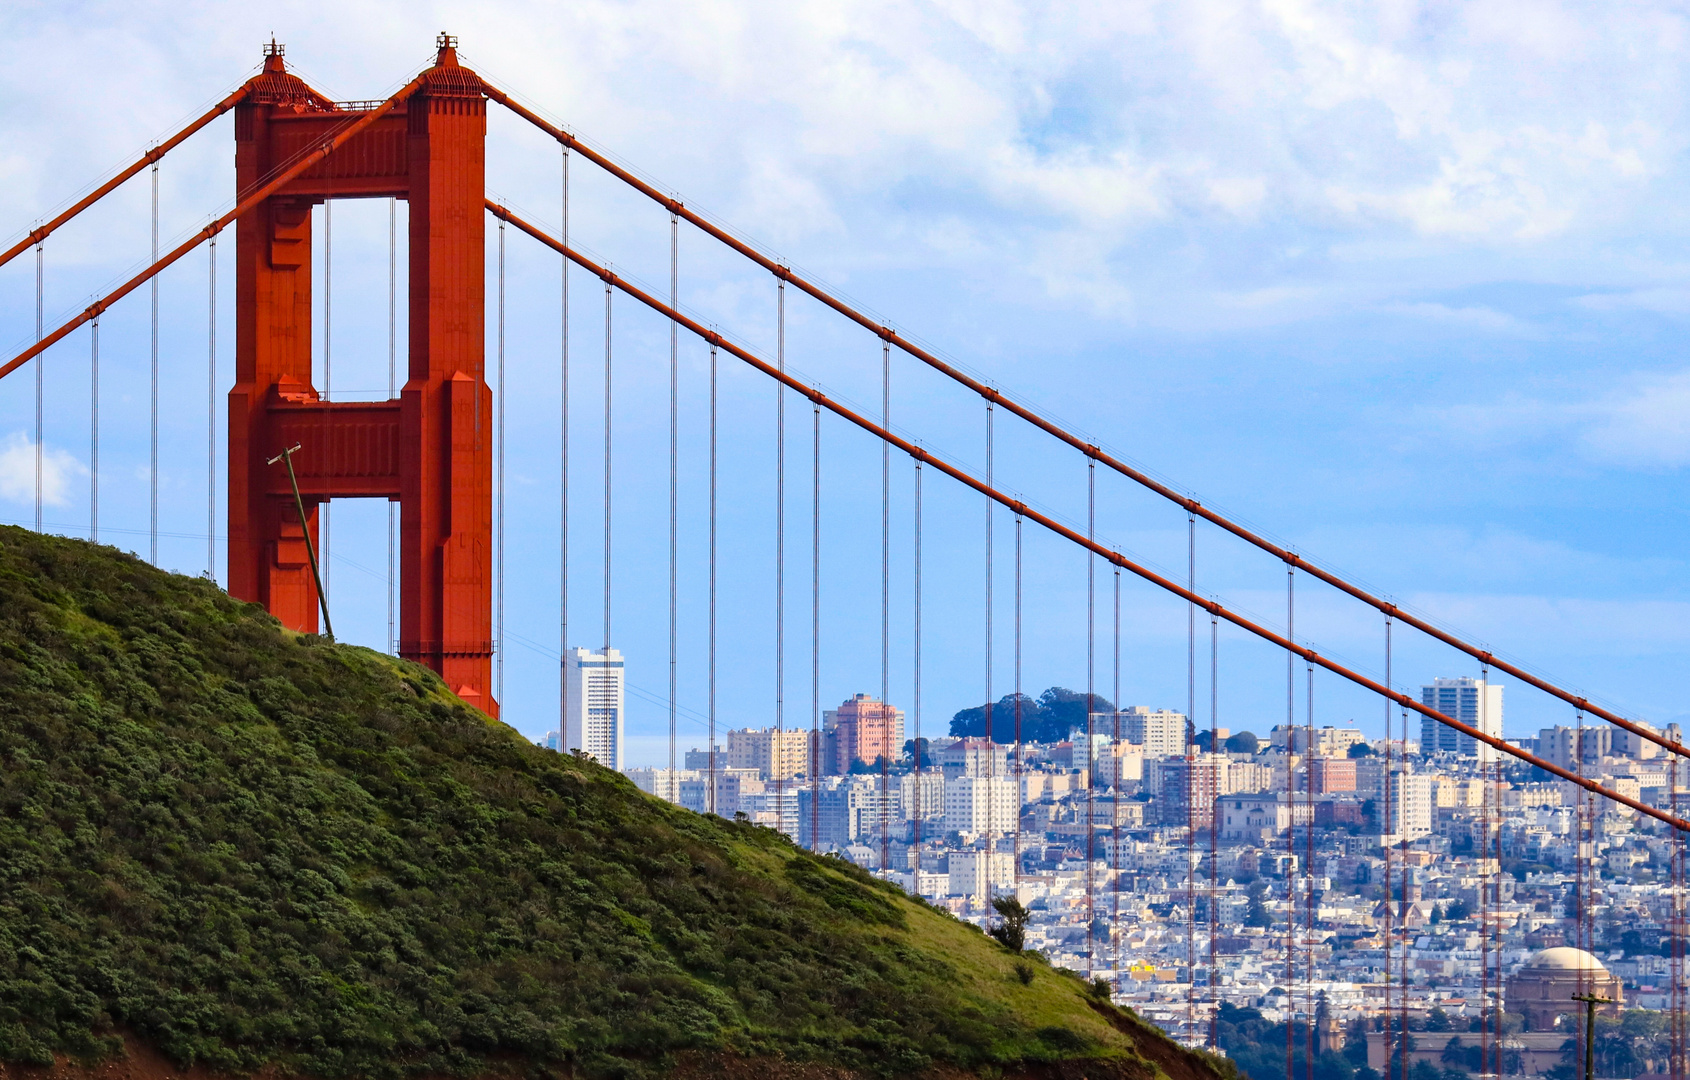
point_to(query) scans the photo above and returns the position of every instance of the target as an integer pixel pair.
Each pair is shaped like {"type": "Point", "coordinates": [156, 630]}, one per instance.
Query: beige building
{"type": "Point", "coordinates": [776, 755]}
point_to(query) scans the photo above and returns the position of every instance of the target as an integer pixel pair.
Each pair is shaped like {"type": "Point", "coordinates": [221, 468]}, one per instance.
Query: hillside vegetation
{"type": "Point", "coordinates": [250, 848]}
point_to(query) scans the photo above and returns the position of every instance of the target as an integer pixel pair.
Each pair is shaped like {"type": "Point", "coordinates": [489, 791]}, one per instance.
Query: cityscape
{"type": "Point", "coordinates": [1181, 822]}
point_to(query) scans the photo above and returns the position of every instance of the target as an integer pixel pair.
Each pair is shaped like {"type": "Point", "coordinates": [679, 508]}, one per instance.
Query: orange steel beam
{"type": "Point", "coordinates": [36, 236]}
{"type": "Point", "coordinates": [244, 206]}
{"type": "Point", "coordinates": [1066, 533]}
{"type": "Point", "coordinates": [675, 206]}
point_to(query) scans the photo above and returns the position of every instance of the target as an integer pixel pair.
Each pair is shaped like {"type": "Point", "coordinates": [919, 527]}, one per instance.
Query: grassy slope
{"type": "Point", "coordinates": [250, 847]}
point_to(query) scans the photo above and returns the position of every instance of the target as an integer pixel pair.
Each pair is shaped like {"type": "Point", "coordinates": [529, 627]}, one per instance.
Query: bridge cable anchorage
{"type": "Point", "coordinates": [152, 475]}
{"type": "Point", "coordinates": [921, 455]}
{"type": "Point", "coordinates": [1190, 778]}
{"type": "Point", "coordinates": [674, 476]}
{"type": "Point", "coordinates": [241, 209]}
{"type": "Point", "coordinates": [1290, 818]}
{"type": "Point", "coordinates": [815, 629]}
{"type": "Point", "coordinates": [1027, 414]}
{"type": "Point", "coordinates": [211, 414]}
{"type": "Point", "coordinates": [779, 756]}
{"type": "Point", "coordinates": [915, 703]}
{"type": "Point", "coordinates": [94, 431]}
{"type": "Point", "coordinates": [711, 791]}
{"type": "Point", "coordinates": [499, 489]}
{"type": "Point", "coordinates": [392, 393]}
{"type": "Point", "coordinates": [38, 235]}
{"type": "Point", "coordinates": [563, 479]}
{"type": "Point", "coordinates": [886, 604]}
{"type": "Point", "coordinates": [40, 377]}
{"type": "Point", "coordinates": [1091, 712]}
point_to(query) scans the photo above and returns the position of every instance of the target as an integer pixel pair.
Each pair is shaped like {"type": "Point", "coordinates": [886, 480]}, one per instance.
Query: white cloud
{"type": "Point", "coordinates": [17, 472]}
{"type": "Point", "coordinates": [1647, 425]}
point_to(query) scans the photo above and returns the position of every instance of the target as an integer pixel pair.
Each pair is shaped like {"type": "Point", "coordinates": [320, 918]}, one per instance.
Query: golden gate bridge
{"type": "Point", "coordinates": [435, 449]}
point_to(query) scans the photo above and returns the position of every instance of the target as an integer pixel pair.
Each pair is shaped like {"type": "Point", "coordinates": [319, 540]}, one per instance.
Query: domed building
{"type": "Point", "coordinates": [1544, 986]}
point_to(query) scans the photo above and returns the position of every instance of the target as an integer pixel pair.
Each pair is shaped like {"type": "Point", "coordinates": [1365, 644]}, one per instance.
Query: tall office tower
{"type": "Point", "coordinates": [1476, 703]}
{"type": "Point", "coordinates": [596, 700]}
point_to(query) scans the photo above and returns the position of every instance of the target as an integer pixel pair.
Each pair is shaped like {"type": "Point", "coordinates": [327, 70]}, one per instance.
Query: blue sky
{"type": "Point", "coordinates": [1403, 285]}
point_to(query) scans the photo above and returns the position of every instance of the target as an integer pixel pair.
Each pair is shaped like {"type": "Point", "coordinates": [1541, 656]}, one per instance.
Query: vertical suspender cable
{"type": "Point", "coordinates": [393, 392]}
{"type": "Point", "coordinates": [499, 451]}
{"type": "Point", "coordinates": [1018, 764]}
{"type": "Point", "coordinates": [563, 470]}
{"type": "Point", "coordinates": [1387, 818]}
{"type": "Point", "coordinates": [710, 792]}
{"type": "Point", "coordinates": [991, 740]}
{"type": "Point", "coordinates": [94, 431]}
{"type": "Point", "coordinates": [1496, 766]}
{"type": "Point", "coordinates": [778, 757]}
{"type": "Point", "coordinates": [607, 403]}
{"type": "Point", "coordinates": [1191, 785]}
{"type": "Point", "coordinates": [211, 416]}
{"type": "Point", "coordinates": [40, 371]}
{"type": "Point", "coordinates": [1402, 908]}
{"type": "Point", "coordinates": [328, 372]}
{"type": "Point", "coordinates": [1677, 940]}
{"type": "Point", "coordinates": [1309, 1035]}
{"type": "Point", "coordinates": [1214, 815]}
{"type": "Point", "coordinates": [1091, 709]}
{"type": "Point", "coordinates": [674, 473]}
{"type": "Point", "coordinates": [1290, 816]}
{"type": "Point", "coordinates": [1115, 795]}
{"type": "Point", "coordinates": [886, 599]}
{"type": "Point", "coordinates": [1483, 853]}
{"type": "Point", "coordinates": [153, 473]}
{"type": "Point", "coordinates": [915, 704]}
{"type": "Point", "coordinates": [815, 627]}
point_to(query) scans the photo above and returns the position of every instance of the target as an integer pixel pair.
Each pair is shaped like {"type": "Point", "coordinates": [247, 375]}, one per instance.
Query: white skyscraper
{"type": "Point", "coordinates": [1476, 703]}
{"type": "Point", "coordinates": [596, 697]}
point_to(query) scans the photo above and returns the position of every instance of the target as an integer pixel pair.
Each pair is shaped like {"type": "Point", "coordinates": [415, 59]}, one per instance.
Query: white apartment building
{"type": "Point", "coordinates": [1160, 731]}
{"type": "Point", "coordinates": [978, 805]}
{"type": "Point", "coordinates": [664, 783]}
{"type": "Point", "coordinates": [922, 796]}
{"type": "Point", "coordinates": [1409, 812]}
{"type": "Point", "coordinates": [1471, 701]}
{"type": "Point", "coordinates": [977, 873]}
{"type": "Point", "coordinates": [597, 696]}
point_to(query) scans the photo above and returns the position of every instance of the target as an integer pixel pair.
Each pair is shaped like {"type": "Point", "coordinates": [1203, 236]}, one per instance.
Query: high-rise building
{"type": "Point", "coordinates": [596, 704]}
{"type": "Point", "coordinates": [976, 805]}
{"type": "Point", "coordinates": [862, 730]}
{"type": "Point", "coordinates": [1191, 787]}
{"type": "Point", "coordinates": [1471, 701]}
{"type": "Point", "coordinates": [1408, 813]}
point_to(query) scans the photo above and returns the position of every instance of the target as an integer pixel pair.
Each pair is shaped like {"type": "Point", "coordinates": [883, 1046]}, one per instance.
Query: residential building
{"type": "Point", "coordinates": [1409, 811]}
{"type": "Point", "coordinates": [597, 697]}
{"type": "Point", "coordinates": [980, 805]}
{"type": "Point", "coordinates": [861, 731]}
{"type": "Point", "coordinates": [1188, 788]}
{"type": "Point", "coordinates": [1474, 702]}
{"type": "Point", "coordinates": [975, 757]}
{"type": "Point", "coordinates": [1328, 775]}
{"type": "Point", "coordinates": [979, 873]}
{"type": "Point", "coordinates": [1160, 731]}
{"type": "Point", "coordinates": [922, 797]}
{"type": "Point", "coordinates": [776, 754]}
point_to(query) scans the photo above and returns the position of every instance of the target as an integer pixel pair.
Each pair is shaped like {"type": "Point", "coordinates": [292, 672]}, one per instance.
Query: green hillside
{"type": "Point", "coordinates": [246, 848]}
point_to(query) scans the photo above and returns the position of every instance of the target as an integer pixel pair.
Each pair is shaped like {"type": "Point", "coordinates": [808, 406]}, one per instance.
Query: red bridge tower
{"type": "Point", "coordinates": [431, 448]}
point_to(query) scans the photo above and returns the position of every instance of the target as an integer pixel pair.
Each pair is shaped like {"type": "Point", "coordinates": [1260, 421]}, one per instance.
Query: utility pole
{"type": "Point", "coordinates": [305, 528]}
{"type": "Point", "coordinates": [1590, 1003]}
